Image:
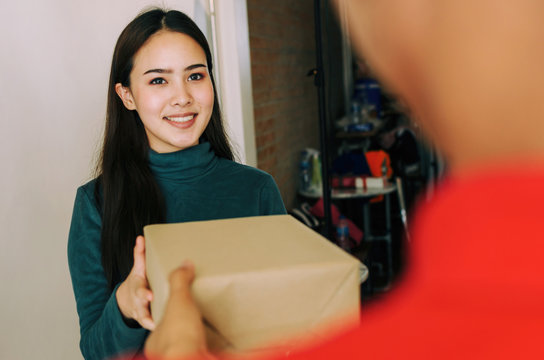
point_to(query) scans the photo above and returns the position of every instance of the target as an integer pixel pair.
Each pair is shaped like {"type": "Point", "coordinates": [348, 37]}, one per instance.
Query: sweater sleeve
{"type": "Point", "coordinates": [270, 199]}
{"type": "Point", "coordinates": [103, 332]}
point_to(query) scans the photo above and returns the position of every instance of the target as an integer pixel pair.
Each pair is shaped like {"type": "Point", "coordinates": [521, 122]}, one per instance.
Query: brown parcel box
{"type": "Point", "coordinates": [259, 280]}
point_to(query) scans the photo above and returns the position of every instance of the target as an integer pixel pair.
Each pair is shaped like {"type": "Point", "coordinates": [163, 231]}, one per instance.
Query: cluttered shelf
{"type": "Point", "coordinates": [375, 167]}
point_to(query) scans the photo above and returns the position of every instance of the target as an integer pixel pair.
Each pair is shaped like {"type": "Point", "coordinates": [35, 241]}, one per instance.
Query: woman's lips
{"type": "Point", "coordinates": [183, 121]}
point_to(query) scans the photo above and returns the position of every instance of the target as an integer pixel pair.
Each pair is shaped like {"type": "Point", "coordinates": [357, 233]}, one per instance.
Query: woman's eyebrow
{"type": "Point", "coordinates": [159, 71]}
{"type": "Point", "coordinates": [194, 66]}
{"type": "Point", "coordinates": [170, 71]}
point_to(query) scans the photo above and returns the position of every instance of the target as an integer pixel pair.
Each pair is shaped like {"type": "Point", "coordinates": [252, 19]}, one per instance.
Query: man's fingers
{"type": "Point", "coordinates": [182, 277]}
{"type": "Point", "coordinates": [181, 332]}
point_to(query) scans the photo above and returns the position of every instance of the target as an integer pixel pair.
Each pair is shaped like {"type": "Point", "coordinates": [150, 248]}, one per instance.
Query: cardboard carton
{"type": "Point", "coordinates": [260, 282]}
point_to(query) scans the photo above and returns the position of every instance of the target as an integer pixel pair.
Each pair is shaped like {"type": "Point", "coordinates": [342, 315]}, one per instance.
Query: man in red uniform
{"type": "Point", "coordinates": [472, 73]}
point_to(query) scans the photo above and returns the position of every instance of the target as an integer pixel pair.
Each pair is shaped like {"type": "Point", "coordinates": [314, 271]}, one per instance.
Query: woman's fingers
{"type": "Point", "coordinates": [143, 316]}
{"type": "Point", "coordinates": [140, 308]}
{"type": "Point", "coordinates": [134, 295]}
{"type": "Point", "coordinates": [145, 294]}
{"type": "Point", "coordinates": [146, 321]}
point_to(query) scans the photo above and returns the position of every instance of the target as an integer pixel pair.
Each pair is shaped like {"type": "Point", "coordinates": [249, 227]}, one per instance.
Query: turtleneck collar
{"type": "Point", "coordinates": [184, 164]}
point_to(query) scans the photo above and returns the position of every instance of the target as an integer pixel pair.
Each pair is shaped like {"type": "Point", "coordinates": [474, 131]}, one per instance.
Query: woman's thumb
{"type": "Point", "coordinates": [139, 256]}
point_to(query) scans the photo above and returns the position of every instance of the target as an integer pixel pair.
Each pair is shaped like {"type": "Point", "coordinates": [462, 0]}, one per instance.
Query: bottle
{"type": "Point", "coordinates": [384, 168]}
{"type": "Point", "coordinates": [342, 233]}
{"type": "Point", "coordinates": [355, 116]}
{"type": "Point", "coordinates": [304, 175]}
{"type": "Point", "coordinates": [316, 182]}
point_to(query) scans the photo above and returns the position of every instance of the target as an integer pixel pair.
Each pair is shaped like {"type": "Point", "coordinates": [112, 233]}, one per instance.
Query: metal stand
{"type": "Point", "coordinates": [319, 78]}
{"type": "Point", "coordinates": [386, 236]}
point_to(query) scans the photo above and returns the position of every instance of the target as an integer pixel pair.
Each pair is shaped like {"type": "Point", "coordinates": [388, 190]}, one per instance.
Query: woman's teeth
{"type": "Point", "coordinates": [180, 119]}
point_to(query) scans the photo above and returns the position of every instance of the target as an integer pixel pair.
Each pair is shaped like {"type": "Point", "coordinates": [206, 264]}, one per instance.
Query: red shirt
{"type": "Point", "coordinates": [474, 288]}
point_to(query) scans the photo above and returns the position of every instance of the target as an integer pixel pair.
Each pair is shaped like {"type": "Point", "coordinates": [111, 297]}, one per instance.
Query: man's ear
{"type": "Point", "coordinates": [126, 96]}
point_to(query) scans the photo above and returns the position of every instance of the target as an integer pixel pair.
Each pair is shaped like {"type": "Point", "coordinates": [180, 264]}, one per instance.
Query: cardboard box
{"type": "Point", "coordinates": [260, 282]}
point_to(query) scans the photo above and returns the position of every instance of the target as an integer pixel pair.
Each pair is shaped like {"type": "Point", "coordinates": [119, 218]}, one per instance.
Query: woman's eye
{"type": "Point", "coordinates": [157, 81]}
{"type": "Point", "coordinates": [195, 76]}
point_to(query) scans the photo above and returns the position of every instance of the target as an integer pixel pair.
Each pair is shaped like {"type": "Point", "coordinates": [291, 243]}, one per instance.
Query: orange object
{"type": "Point", "coordinates": [375, 160]}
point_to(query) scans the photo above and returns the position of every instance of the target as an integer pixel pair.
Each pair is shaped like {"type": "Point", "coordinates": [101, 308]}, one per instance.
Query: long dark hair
{"type": "Point", "coordinates": [128, 195]}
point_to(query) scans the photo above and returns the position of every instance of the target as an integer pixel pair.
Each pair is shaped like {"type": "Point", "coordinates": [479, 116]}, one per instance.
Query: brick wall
{"type": "Point", "coordinates": [282, 45]}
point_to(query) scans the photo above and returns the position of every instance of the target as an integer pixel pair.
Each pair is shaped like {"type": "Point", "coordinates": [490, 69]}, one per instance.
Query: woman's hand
{"type": "Point", "coordinates": [181, 331]}
{"type": "Point", "coordinates": [134, 295]}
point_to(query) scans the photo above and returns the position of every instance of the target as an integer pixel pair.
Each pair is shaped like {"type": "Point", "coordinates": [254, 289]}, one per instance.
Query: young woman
{"type": "Point", "coordinates": [165, 158]}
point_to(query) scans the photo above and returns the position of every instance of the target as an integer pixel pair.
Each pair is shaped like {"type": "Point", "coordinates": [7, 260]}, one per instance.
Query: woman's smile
{"type": "Point", "coordinates": [181, 121]}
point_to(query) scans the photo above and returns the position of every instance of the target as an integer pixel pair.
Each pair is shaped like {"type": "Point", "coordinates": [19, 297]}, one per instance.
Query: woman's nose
{"type": "Point", "coordinates": [181, 96]}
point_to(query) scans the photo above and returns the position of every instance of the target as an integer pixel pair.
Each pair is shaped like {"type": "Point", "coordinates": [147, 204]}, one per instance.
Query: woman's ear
{"type": "Point", "coordinates": [126, 96]}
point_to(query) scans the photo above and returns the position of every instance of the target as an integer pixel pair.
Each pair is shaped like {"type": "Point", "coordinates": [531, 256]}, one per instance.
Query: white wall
{"type": "Point", "coordinates": [233, 63]}
{"type": "Point", "coordinates": [54, 67]}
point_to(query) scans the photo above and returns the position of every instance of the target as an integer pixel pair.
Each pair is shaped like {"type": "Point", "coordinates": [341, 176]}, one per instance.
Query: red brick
{"type": "Point", "coordinates": [264, 139]}
{"type": "Point", "coordinates": [262, 126]}
{"type": "Point", "coordinates": [282, 49]}
{"type": "Point", "coordinates": [266, 152]}
{"type": "Point", "coordinates": [267, 165]}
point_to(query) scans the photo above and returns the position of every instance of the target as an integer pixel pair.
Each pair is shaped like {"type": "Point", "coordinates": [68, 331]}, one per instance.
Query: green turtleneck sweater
{"type": "Point", "coordinates": [197, 185]}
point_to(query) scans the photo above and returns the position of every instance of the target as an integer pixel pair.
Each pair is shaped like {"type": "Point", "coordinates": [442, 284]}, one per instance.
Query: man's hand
{"type": "Point", "coordinates": [180, 334]}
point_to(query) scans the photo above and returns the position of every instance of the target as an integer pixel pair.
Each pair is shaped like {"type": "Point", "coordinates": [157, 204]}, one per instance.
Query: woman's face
{"type": "Point", "coordinates": [171, 89]}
